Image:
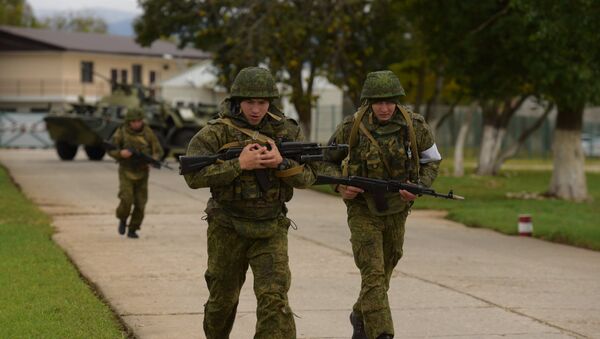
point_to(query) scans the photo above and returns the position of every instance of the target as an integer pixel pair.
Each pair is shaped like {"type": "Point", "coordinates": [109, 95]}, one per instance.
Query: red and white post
{"type": "Point", "coordinates": [525, 225]}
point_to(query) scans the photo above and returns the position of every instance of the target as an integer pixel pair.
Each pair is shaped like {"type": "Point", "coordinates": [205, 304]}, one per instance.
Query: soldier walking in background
{"type": "Point", "coordinates": [133, 172]}
{"type": "Point", "coordinates": [386, 141]}
{"type": "Point", "coordinates": [247, 223]}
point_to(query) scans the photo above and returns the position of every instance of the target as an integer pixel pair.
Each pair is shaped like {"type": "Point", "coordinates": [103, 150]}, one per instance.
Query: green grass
{"type": "Point", "coordinates": [487, 205]}
{"type": "Point", "coordinates": [41, 293]}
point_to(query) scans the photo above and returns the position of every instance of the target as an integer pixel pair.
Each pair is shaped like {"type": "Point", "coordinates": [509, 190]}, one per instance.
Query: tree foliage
{"type": "Point", "coordinates": [83, 21]}
{"type": "Point", "coordinates": [298, 40]}
{"type": "Point", "coordinates": [16, 13]}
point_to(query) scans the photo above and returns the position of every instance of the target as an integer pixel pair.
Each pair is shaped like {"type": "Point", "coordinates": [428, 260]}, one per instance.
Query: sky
{"type": "Point", "coordinates": [77, 5]}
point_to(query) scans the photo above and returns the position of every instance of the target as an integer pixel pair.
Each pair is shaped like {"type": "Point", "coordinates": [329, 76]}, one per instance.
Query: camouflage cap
{"type": "Point", "coordinates": [134, 113]}
{"type": "Point", "coordinates": [254, 82]}
{"type": "Point", "coordinates": [381, 85]}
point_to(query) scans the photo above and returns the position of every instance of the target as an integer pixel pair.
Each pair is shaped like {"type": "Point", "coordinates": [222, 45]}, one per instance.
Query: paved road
{"type": "Point", "coordinates": [453, 282]}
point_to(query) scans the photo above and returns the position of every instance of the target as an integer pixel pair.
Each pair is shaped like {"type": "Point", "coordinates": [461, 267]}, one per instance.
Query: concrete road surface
{"type": "Point", "coordinates": [453, 282]}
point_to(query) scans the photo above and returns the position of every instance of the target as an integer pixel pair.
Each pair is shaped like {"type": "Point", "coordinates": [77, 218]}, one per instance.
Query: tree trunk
{"type": "Point", "coordinates": [301, 99]}
{"type": "Point", "coordinates": [422, 72]}
{"type": "Point", "coordinates": [496, 117]}
{"type": "Point", "coordinates": [491, 143]}
{"type": "Point", "coordinates": [434, 102]}
{"type": "Point", "coordinates": [568, 176]}
{"type": "Point", "coordinates": [459, 168]}
{"type": "Point", "coordinates": [516, 146]}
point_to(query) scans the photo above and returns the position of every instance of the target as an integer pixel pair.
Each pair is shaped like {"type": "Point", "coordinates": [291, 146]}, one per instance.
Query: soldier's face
{"type": "Point", "coordinates": [136, 125]}
{"type": "Point", "coordinates": [384, 110]}
{"type": "Point", "coordinates": [254, 110]}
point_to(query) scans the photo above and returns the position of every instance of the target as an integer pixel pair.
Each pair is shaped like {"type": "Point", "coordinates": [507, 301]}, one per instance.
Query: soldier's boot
{"type": "Point", "coordinates": [385, 336]}
{"type": "Point", "coordinates": [358, 326]}
{"type": "Point", "coordinates": [122, 226]}
{"type": "Point", "coordinates": [131, 234]}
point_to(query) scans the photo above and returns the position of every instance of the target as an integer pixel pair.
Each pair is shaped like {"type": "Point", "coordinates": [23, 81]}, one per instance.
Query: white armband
{"type": "Point", "coordinates": [429, 155]}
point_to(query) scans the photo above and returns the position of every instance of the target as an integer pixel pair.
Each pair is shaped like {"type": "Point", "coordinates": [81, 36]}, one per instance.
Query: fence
{"type": "Point", "coordinates": [539, 144]}
{"type": "Point", "coordinates": [21, 130]}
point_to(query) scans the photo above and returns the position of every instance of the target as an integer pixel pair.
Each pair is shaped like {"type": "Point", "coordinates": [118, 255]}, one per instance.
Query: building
{"type": "Point", "coordinates": [41, 67]}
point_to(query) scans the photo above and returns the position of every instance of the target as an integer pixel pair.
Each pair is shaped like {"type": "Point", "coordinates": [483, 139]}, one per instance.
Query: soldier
{"type": "Point", "coordinates": [133, 173]}
{"type": "Point", "coordinates": [247, 223]}
{"type": "Point", "coordinates": [386, 141]}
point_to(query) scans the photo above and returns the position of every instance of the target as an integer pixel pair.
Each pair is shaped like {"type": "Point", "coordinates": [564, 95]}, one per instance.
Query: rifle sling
{"type": "Point", "coordinates": [290, 172]}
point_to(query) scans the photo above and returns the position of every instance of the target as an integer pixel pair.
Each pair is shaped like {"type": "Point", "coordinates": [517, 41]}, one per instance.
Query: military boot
{"type": "Point", "coordinates": [122, 226]}
{"type": "Point", "coordinates": [385, 336]}
{"type": "Point", "coordinates": [358, 326]}
{"type": "Point", "coordinates": [132, 234]}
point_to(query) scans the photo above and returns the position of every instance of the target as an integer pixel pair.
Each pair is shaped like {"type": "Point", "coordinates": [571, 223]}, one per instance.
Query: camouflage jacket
{"type": "Point", "coordinates": [144, 141]}
{"type": "Point", "coordinates": [366, 159]}
{"type": "Point", "coordinates": [237, 191]}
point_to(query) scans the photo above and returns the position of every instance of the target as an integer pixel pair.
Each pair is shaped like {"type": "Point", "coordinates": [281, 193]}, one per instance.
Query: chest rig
{"type": "Point", "coordinates": [383, 151]}
{"type": "Point", "coordinates": [246, 197]}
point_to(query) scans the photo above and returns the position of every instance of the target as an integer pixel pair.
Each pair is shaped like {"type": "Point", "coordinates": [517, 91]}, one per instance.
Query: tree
{"type": "Point", "coordinates": [564, 64]}
{"type": "Point", "coordinates": [290, 37]}
{"type": "Point", "coordinates": [76, 22]}
{"type": "Point", "coordinates": [16, 13]}
{"type": "Point", "coordinates": [483, 45]}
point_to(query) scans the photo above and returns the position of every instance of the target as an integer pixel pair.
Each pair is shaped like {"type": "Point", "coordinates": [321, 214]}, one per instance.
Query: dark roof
{"type": "Point", "coordinates": [17, 38]}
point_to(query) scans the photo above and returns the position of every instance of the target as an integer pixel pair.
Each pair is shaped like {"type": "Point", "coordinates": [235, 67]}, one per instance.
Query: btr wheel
{"type": "Point", "coordinates": [95, 153]}
{"type": "Point", "coordinates": [66, 150]}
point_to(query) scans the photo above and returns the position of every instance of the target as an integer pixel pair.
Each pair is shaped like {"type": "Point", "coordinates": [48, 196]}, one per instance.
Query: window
{"type": "Point", "coordinates": [136, 74]}
{"type": "Point", "coordinates": [124, 76]}
{"type": "Point", "coordinates": [87, 72]}
{"type": "Point", "coordinates": [114, 76]}
{"type": "Point", "coordinates": [152, 77]}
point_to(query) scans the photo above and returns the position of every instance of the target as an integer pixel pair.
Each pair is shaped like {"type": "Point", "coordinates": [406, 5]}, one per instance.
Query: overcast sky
{"type": "Point", "coordinates": [76, 5]}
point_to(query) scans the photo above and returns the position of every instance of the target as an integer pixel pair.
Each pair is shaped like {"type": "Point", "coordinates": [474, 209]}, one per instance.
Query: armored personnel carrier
{"type": "Point", "coordinates": [88, 125]}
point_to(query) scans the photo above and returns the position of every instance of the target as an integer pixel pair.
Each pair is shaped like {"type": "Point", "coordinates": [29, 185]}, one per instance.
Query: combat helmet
{"type": "Point", "coordinates": [381, 84]}
{"type": "Point", "coordinates": [254, 82]}
{"type": "Point", "coordinates": [134, 113]}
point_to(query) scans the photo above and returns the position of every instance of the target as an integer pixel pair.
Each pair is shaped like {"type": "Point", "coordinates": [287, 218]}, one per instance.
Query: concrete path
{"type": "Point", "coordinates": [453, 282]}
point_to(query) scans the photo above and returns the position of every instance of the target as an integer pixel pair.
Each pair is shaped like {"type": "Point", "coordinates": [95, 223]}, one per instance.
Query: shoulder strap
{"type": "Point", "coordinates": [254, 135]}
{"type": "Point", "coordinates": [366, 132]}
{"type": "Point", "coordinates": [412, 136]}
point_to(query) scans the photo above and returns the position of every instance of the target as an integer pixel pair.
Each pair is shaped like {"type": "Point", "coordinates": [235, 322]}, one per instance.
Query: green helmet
{"type": "Point", "coordinates": [381, 85]}
{"type": "Point", "coordinates": [254, 82]}
{"type": "Point", "coordinates": [134, 113]}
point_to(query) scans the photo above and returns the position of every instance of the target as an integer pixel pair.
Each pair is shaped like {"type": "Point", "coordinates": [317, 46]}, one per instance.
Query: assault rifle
{"type": "Point", "coordinates": [378, 188]}
{"type": "Point", "coordinates": [295, 150]}
{"type": "Point", "coordinates": [143, 157]}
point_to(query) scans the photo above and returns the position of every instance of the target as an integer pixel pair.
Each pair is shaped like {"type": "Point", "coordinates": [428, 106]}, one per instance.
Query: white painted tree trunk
{"type": "Point", "coordinates": [568, 176]}
{"type": "Point", "coordinates": [459, 147]}
{"type": "Point", "coordinates": [491, 143]}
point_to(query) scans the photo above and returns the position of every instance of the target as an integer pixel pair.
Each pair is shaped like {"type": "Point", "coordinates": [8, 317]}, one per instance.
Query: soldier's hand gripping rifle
{"type": "Point", "coordinates": [296, 150]}
{"type": "Point", "coordinates": [143, 157]}
{"type": "Point", "coordinates": [378, 188]}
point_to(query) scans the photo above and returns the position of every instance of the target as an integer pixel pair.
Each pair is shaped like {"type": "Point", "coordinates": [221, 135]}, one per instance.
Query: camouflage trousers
{"type": "Point", "coordinates": [377, 247]}
{"type": "Point", "coordinates": [229, 256]}
{"type": "Point", "coordinates": [132, 192]}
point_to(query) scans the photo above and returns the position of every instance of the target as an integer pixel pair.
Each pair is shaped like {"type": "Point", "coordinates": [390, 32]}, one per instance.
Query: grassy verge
{"type": "Point", "coordinates": [489, 204]}
{"type": "Point", "coordinates": [42, 294]}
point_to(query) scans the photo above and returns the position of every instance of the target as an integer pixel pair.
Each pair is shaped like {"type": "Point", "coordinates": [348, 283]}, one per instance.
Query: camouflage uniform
{"type": "Point", "coordinates": [133, 174]}
{"type": "Point", "coordinates": [247, 226]}
{"type": "Point", "coordinates": [377, 237]}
